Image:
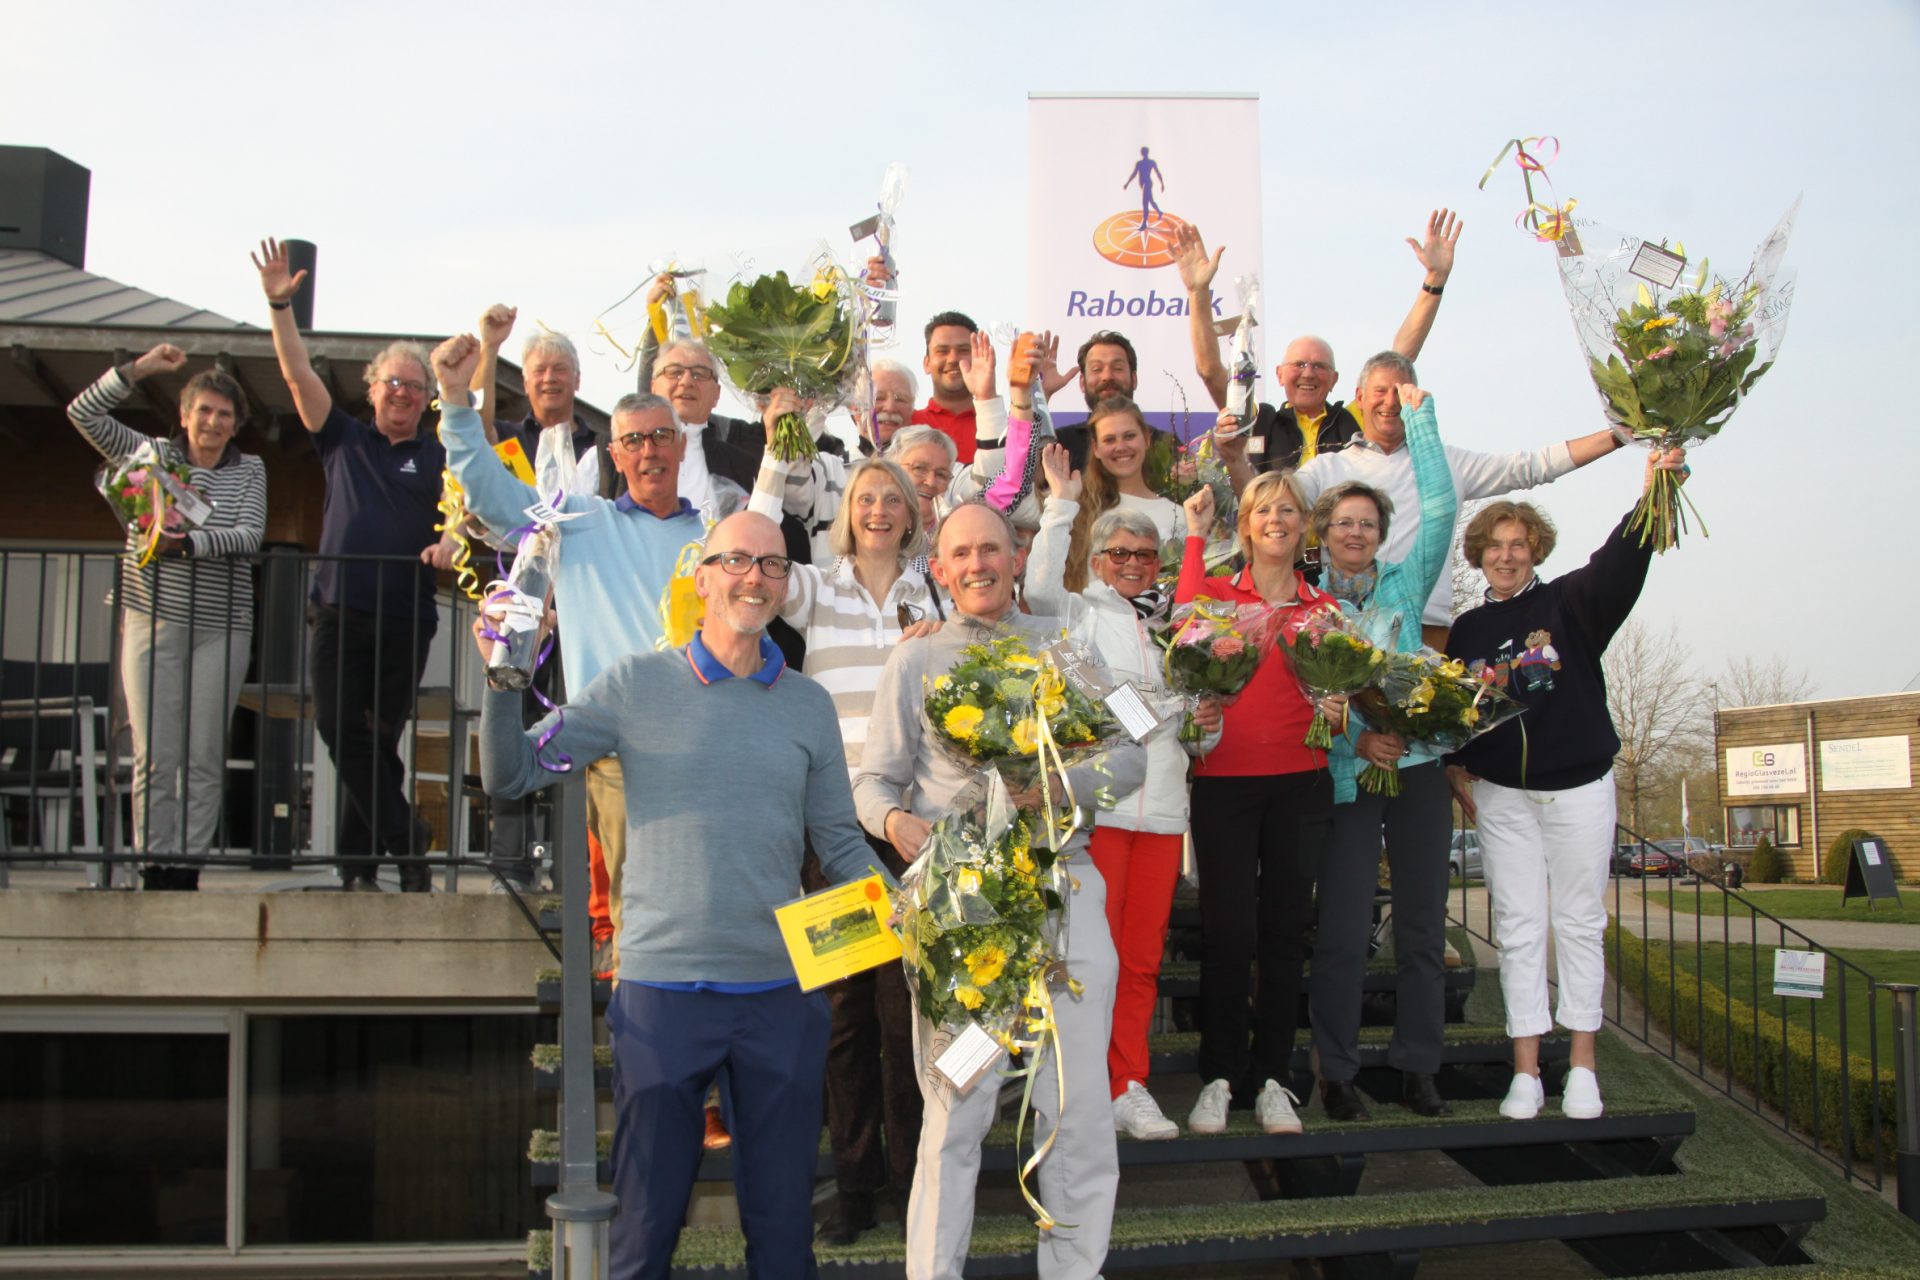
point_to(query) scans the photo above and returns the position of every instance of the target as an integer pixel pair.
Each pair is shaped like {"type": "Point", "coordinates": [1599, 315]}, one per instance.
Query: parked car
{"type": "Point", "coordinates": [1692, 851]}
{"type": "Point", "coordinates": [1463, 858]}
{"type": "Point", "coordinates": [1654, 860]}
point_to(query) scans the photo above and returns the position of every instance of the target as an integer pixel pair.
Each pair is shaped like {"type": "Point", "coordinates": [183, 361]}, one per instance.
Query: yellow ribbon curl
{"type": "Point", "coordinates": [453, 508]}
{"type": "Point", "coordinates": [157, 502]}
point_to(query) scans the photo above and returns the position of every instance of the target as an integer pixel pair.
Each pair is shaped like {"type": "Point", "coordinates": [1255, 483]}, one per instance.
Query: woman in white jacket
{"type": "Point", "coordinates": [1136, 845]}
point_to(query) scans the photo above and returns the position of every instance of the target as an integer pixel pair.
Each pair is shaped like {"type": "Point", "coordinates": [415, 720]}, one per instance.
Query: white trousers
{"type": "Point", "coordinates": [181, 685]}
{"type": "Point", "coordinates": [1080, 1176]}
{"type": "Point", "coordinates": [1547, 855]}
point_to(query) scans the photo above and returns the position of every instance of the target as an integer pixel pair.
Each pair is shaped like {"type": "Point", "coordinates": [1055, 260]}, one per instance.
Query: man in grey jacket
{"type": "Point", "coordinates": [905, 782]}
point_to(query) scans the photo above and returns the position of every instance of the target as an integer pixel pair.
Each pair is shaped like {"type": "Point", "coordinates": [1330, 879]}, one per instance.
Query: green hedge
{"type": "Point", "coordinates": [1833, 868]}
{"type": "Point", "coordinates": [1766, 865]}
{"type": "Point", "coordinates": [1784, 1080]}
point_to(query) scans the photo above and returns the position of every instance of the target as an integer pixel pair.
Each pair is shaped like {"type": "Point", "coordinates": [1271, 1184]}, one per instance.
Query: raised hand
{"type": "Point", "coordinates": [1052, 378]}
{"type": "Point", "coordinates": [1228, 437]}
{"type": "Point", "coordinates": [1411, 397]}
{"type": "Point", "coordinates": [275, 281]}
{"type": "Point", "coordinates": [1062, 480]}
{"type": "Point", "coordinates": [1199, 510]}
{"type": "Point", "coordinates": [1436, 255]}
{"type": "Point", "coordinates": [164, 358]}
{"type": "Point", "coordinates": [1674, 460]}
{"type": "Point", "coordinates": [453, 364]}
{"type": "Point", "coordinates": [496, 322]}
{"type": "Point", "coordinates": [659, 289]}
{"type": "Point", "coordinates": [1190, 256]}
{"type": "Point", "coordinates": [878, 274]}
{"type": "Point", "coordinates": [780, 402]}
{"type": "Point", "coordinates": [979, 372]}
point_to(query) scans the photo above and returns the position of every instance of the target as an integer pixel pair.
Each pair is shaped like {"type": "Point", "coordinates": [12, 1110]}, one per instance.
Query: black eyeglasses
{"type": "Point", "coordinates": [1120, 555]}
{"type": "Point", "coordinates": [675, 372]}
{"type": "Point", "coordinates": [738, 562]}
{"type": "Point", "coordinates": [659, 438]}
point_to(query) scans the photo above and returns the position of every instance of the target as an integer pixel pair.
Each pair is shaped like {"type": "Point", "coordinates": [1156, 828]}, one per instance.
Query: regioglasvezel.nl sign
{"type": "Point", "coordinates": [1773, 770]}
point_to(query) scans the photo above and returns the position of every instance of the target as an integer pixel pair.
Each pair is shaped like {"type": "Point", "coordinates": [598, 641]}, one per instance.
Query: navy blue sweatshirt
{"type": "Point", "coordinates": [1544, 647]}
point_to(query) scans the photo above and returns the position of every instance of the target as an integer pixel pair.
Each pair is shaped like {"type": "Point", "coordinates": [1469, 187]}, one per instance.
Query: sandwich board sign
{"type": "Point", "coordinates": [1870, 873]}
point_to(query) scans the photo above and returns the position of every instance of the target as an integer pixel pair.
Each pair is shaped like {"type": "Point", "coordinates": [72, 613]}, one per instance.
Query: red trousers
{"type": "Point", "coordinates": [1141, 870]}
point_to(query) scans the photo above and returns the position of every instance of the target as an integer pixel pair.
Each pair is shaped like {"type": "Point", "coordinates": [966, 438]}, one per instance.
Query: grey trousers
{"type": "Point", "coordinates": [1417, 825]}
{"type": "Point", "coordinates": [181, 684]}
{"type": "Point", "coordinates": [1078, 1179]}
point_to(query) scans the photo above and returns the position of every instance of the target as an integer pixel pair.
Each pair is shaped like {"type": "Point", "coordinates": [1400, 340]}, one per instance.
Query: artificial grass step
{"type": "Point", "coordinates": [1316, 1228]}
{"type": "Point", "coordinates": [1475, 1124]}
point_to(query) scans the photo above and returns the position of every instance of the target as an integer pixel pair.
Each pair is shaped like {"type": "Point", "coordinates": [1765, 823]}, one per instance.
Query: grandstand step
{"type": "Point", "coordinates": [1399, 1226]}
{"type": "Point", "coordinates": [1180, 980]}
{"type": "Point", "coordinates": [1476, 1124]}
{"type": "Point", "coordinates": [1177, 1052]}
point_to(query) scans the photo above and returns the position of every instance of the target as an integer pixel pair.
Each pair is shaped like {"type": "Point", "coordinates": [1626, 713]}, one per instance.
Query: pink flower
{"type": "Point", "coordinates": [1228, 646]}
{"type": "Point", "coordinates": [137, 476]}
{"type": "Point", "coordinates": [144, 520]}
{"type": "Point", "coordinates": [1663, 353]}
{"type": "Point", "coordinates": [1717, 326]}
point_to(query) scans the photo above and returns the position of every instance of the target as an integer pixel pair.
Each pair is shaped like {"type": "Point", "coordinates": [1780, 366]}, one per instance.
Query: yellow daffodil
{"type": "Point", "coordinates": [966, 880]}
{"type": "Point", "coordinates": [963, 722]}
{"type": "Point", "coordinates": [969, 996]}
{"type": "Point", "coordinates": [986, 964]}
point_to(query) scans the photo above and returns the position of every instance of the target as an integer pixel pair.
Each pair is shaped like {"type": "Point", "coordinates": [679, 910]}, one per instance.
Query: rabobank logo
{"type": "Point", "coordinates": [1143, 239]}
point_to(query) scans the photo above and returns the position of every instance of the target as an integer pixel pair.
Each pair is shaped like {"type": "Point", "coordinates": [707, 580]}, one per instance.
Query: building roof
{"type": "Point", "coordinates": [40, 290]}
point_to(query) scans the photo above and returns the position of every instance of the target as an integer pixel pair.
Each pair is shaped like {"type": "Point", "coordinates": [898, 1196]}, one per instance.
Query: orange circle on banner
{"type": "Point", "coordinates": [1122, 241]}
{"type": "Point", "coordinates": [873, 892]}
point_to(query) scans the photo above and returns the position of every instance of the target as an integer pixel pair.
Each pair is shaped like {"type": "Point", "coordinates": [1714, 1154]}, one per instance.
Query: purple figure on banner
{"type": "Point", "coordinates": [1144, 170]}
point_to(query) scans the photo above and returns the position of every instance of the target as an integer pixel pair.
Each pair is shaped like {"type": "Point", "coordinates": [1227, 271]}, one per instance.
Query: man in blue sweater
{"type": "Point", "coordinates": [731, 760]}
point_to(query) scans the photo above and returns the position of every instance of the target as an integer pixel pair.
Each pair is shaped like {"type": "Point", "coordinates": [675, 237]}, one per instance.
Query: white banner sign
{"type": "Point", "coordinates": [1778, 769]}
{"type": "Point", "coordinates": [1110, 180]}
{"type": "Point", "coordinates": [1866, 764]}
{"type": "Point", "coordinates": [1799, 973]}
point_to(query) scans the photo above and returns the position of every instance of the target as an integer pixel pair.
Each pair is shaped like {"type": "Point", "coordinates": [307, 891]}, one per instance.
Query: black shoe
{"type": "Point", "coordinates": [852, 1214]}
{"type": "Point", "coordinates": [1420, 1095]}
{"type": "Point", "coordinates": [1342, 1101]}
{"type": "Point", "coordinates": [415, 879]}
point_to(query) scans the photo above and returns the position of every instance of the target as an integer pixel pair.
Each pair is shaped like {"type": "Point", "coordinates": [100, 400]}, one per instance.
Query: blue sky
{"type": "Point", "coordinates": [445, 157]}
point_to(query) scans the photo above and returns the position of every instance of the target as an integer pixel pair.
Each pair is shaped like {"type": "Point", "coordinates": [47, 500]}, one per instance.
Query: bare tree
{"type": "Point", "coordinates": [1469, 587]}
{"type": "Point", "coordinates": [1656, 702]}
{"type": "Point", "coordinates": [1750, 682]}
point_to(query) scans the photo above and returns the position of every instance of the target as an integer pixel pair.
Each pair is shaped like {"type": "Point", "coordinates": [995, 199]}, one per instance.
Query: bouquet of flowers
{"type": "Point", "coordinates": [1672, 361]}
{"type": "Point", "coordinates": [997, 701]}
{"type": "Point", "coordinates": [1332, 654]}
{"type": "Point", "coordinates": [1425, 696]}
{"type": "Point", "coordinates": [145, 490]}
{"type": "Point", "coordinates": [982, 910]}
{"type": "Point", "coordinates": [798, 333]}
{"type": "Point", "coordinates": [1214, 648]}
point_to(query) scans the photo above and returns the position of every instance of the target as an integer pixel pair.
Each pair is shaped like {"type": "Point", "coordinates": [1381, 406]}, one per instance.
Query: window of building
{"type": "Point", "coordinates": [1779, 823]}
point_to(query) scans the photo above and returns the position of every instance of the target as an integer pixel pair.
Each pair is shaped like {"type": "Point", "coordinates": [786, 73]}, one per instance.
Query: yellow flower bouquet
{"type": "Point", "coordinates": [1427, 697]}
{"type": "Point", "coordinates": [991, 707]}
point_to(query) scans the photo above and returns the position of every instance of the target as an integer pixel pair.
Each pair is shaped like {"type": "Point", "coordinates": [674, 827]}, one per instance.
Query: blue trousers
{"type": "Point", "coordinates": [668, 1047]}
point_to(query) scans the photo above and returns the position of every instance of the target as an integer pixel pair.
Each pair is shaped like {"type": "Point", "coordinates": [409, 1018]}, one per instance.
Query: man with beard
{"type": "Point", "coordinates": [1307, 423]}
{"type": "Point", "coordinates": [906, 782]}
{"type": "Point", "coordinates": [1108, 366]}
{"type": "Point", "coordinates": [735, 761]}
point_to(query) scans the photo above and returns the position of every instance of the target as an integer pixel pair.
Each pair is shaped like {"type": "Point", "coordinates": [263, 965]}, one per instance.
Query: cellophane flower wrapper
{"type": "Point", "coordinates": [1672, 361]}
{"type": "Point", "coordinates": [1214, 648]}
{"type": "Point", "coordinates": [1426, 697]}
{"type": "Point", "coordinates": [985, 712]}
{"type": "Point", "coordinates": [1243, 367]}
{"type": "Point", "coordinates": [1334, 653]}
{"type": "Point", "coordinates": [134, 491]}
{"type": "Point", "coordinates": [795, 328]}
{"type": "Point", "coordinates": [516, 605]}
{"type": "Point", "coordinates": [983, 913]}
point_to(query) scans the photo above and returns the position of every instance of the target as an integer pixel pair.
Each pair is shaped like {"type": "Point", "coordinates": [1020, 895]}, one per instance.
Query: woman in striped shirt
{"type": "Point", "coordinates": [186, 624]}
{"type": "Point", "coordinates": [852, 614]}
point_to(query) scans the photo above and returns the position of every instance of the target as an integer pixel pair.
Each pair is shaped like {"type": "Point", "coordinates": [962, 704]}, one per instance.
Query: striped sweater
{"type": "Point", "coordinates": [206, 588]}
{"type": "Point", "coordinates": [849, 638]}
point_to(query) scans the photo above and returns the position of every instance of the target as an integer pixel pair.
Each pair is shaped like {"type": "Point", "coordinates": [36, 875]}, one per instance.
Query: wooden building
{"type": "Point", "coordinates": [1800, 773]}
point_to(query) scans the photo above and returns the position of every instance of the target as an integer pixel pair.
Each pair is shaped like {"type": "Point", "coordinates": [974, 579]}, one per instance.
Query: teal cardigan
{"type": "Point", "coordinates": [1406, 584]}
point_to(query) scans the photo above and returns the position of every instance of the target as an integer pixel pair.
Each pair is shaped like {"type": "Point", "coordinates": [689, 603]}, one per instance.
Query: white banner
{"type": "Point", "coordinates": [1109, 182]}
{"type": "Point", "coordinates": [1773, 770]}
{"type": "Point", "coordinates": [1866, 764]}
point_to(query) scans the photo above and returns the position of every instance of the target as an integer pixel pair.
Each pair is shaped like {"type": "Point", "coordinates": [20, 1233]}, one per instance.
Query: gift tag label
{"type": "Point", "coordinates": [967, 1058]}
{"type": "Point", "coordinates": [1657, 265]}
{"type": "Point", "coordinates": [1132, 711]}
{"type": "Point", "coordinates": [1225, 328]}
{"type": "Point", "coordinates": [1078, 671]}
{"type": "Point", "coordinates": [193, 508]}
{"type": "Point", "coordinates": [865, 227]}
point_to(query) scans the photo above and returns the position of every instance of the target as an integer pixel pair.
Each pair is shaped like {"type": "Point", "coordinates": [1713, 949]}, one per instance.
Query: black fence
{"type": "Point", "coordinates": [196, 714]}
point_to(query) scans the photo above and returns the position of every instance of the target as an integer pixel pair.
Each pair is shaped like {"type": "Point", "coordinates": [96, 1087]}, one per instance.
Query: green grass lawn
{"type": "Point", "coordinates": [1808, 903]}
{"type": "Point", "coordinates": [1738, 969]}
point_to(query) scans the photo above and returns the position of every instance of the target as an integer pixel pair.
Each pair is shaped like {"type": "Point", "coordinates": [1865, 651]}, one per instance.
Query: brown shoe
{"type": "Point", "coordinates": [717, 1139]}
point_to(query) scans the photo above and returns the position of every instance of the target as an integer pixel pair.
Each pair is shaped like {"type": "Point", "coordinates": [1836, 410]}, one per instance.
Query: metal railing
{"type": "Point", "coordinates": [1689, 981]}
{"type": "Point", "coordinates": [295, 788]}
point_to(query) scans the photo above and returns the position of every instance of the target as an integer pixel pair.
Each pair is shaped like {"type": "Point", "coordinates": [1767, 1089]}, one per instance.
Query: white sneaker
{"type": "Point", "coordinates": [1137, 1115]}
{"type": "Point", "coordinates": [1581, 1098]}
{"type": "Point", "coordinates": [1524, 1097]}
{"type": "Point", "coordinates": [1274, 1108]}
{"type": "Point", "coordinates": [1209, 1115]}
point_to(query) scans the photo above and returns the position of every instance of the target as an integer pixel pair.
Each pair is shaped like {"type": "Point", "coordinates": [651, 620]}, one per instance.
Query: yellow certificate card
{"type": "Point", "coordinates": [516, 459]}
{"type": "Point", "coordinates": [838, 931]}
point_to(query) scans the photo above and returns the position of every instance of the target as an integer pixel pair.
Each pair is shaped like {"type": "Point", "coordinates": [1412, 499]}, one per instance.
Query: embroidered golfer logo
{"type": "Point", "coordinates": [1143, 239]}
